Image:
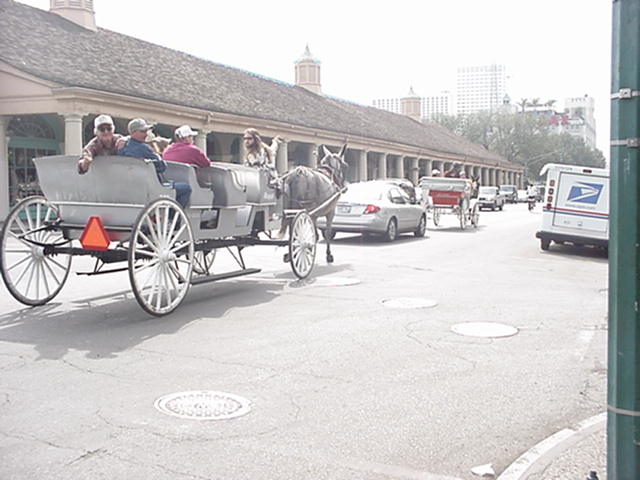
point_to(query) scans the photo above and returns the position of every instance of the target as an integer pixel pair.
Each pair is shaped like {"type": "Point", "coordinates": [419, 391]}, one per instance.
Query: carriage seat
{"type": "Point", "coordinates": [235, 184]}
{"type": "Point", "coordinates": [115, 188]}
{"type": "Point", "coordinates": [182, 172]}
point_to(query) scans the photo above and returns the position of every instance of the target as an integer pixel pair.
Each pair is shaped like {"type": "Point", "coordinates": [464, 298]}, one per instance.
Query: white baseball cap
{"type": "Point", "coordinates": [102, 120]}
{"type": "Point", "coordinates": [185, 131]}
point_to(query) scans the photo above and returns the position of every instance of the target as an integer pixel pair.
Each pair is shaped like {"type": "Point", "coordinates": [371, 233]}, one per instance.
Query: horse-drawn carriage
{"type": "Point", "coordinates": [121, 212]}
{"type": "Point", "coordinates": [450, 196]}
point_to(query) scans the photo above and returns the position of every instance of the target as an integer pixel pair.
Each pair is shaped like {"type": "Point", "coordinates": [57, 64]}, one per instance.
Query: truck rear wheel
{"type": "Point", "coordinates": [544, 243]}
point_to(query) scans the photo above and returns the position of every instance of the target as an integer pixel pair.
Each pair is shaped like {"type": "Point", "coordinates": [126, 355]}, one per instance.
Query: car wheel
{"type": "Point", "coordinates": [500, 207]}
{"type": "Point", "coordinates": [422, 227]}
{"type": "Point", "coordinates": [544, 243]}
{"type": "Point", "coordinates": [392, 231]}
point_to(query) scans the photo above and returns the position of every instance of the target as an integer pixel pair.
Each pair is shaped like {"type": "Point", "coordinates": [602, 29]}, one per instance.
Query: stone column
{"type": "Point", "coordinates": [72, 134]}
{"type": "Point", "coordinates": [382, 165]}
{"type": "Point", "coordinates": [429, 166]}
{"type": "Point", "coordinates": [400, 166]}
{"type": "Point", "coordinates": [312, 159]}
{"type": "Point", "coordinates": [4, 168]}
{"type": "Point", "coordinates": [282, 157]}
{"type": "Point", "coordinates": [201, 141]}
{"type": "Point", "coordinates": [362, 166]}
{"type": "Point", "coordinates": [413, 174]}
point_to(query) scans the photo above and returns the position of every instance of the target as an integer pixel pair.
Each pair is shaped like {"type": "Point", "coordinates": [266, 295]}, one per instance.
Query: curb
{"type": "Point", "coordinates": [537, 458]}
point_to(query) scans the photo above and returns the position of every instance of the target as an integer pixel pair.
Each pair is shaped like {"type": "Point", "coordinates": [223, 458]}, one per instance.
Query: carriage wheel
{"type": "Point", "coordinates": [436, 216]}
{"type": "Point", "coordinates": [31, 276]}
{"type": "Point", "coordinates": [302, 244]}
{"type": "Point", "coordinates": [203, 261]}
{"type": "Point", "coordinates": [462, 214]}
{"type": "Point", "coordinates": [161, 257]}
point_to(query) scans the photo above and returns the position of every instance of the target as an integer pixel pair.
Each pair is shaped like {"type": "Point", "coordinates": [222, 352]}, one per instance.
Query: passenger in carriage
{"type": "Point", "coordinates": [453, 172]}
{"type": "Point", "coordinates": [183, 149]}
{"type": "Point", "coordinates": [135, 147]}
{"type": "Point", "coordinates": [105, 142]}
{"type": "Point", "coordinates": [259, 154]}
{"type": "Point", "coordinates": [157, 144]}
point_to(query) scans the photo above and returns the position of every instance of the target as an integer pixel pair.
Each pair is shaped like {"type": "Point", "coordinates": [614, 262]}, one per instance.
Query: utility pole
{"type": "Point", "coordinates": [623, 420]}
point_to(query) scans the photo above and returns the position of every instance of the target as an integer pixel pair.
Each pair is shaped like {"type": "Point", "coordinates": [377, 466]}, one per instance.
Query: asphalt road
{"type": "Point", "coordinates": [341, 386]}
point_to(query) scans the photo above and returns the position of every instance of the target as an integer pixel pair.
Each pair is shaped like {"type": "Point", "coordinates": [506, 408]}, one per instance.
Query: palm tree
{"type": "Point", "coordinates": [523, 103]}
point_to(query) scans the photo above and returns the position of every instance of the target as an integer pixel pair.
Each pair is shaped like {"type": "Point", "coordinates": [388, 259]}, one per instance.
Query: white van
{"type": "Point", "coordinates": [575, 207]}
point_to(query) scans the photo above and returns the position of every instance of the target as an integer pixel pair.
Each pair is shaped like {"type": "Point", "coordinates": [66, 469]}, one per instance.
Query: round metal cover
{"type": "Point", "coordinates": [335, 281]}
{"type": "Point", "coordinates": [484, 329]}
{"type": "Point", "coordinates": [203, 405]}
{"type": "Point", "coordinates": [409, 302]}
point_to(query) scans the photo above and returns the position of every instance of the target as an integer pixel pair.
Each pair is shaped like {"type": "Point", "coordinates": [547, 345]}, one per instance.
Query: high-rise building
{"type": "Point", "coordinates": [430, 106]}
{"type": "Point", "coordinates": [582, 122]}
{"type": "Point", "coordinates": [480, 88]}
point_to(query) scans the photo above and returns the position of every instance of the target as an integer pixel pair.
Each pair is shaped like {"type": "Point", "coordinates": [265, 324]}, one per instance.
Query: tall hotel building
{"type": "Point", "coordinates": [480, 88]}
{"type": "Point", "coordinates": [430, 107]}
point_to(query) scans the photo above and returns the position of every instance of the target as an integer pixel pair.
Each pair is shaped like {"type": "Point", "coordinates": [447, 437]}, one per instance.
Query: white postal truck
{"type": "Point", "coordinates": [575, 207]}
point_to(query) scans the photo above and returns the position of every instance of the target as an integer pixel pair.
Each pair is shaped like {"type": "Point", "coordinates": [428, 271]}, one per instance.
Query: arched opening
{"type": "Point", "coordinates": [235, 151]}
{"type": "Point", "coordinates": [30, 136]}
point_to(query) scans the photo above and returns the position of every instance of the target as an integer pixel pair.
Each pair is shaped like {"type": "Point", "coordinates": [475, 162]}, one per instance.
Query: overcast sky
{"type": "Point", "coordinates": [552, 49]}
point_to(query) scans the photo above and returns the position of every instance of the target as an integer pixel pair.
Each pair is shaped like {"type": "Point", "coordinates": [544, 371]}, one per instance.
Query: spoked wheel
{"type": "Point", "coordinates": [436, 217]}
{"type": "Point", "coordinates": [161, 257]}
{"type": "Point", "coordinates": [32, 276]}
{"type": "Point", "coordinates": [203, 261]}
{"type": "Point", "coordinates": [302, 244]}
{"type": "Point", "coordinates": [462, 214]}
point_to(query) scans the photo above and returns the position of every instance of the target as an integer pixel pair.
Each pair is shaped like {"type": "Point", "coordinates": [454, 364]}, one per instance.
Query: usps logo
{"type": "Point", "coordinates": [585, 193]}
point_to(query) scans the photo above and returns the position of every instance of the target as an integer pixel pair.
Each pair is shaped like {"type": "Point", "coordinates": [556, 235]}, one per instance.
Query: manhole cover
{"type": "Point", "coordinates": [409, 302]}
{"type": "Point", "coordinates": [203, 405]}
{"type": "Point", "coordinates": [335, 281]}
{"type": "Point", "coordinates": [484, 329]}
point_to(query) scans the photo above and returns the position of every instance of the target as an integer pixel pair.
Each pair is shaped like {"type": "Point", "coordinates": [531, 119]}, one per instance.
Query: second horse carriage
{"type": "Point", "coordinates": [451, 196]}
{"type": "Point", "coordinates": [120, 212]}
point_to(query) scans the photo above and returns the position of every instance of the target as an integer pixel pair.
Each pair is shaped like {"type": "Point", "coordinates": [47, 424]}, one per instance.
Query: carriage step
{"type": "Point", "coordinates": [224, 276]}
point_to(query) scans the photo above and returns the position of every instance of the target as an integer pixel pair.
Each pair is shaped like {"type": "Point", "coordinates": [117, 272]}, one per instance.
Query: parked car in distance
{"type": "Point", "coordinates": [522, 196]}
{"type": "Point", "coordinates": [377, 207]}
{"type": "Point", "coordinates": [490, 197]}
{"type": "Point", "coordinates": [510, 193]}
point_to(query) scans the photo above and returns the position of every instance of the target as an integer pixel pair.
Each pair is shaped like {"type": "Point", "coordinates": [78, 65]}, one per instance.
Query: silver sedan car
{"type": "Point", "coordinates": [378, 207]}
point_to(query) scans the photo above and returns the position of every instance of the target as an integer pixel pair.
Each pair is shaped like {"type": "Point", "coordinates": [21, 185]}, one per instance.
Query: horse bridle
{"type": "Point", "coordinates": [330, 172]}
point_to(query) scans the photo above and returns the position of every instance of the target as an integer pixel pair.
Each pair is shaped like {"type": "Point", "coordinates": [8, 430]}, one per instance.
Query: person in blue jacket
{"type": "Point", "coordinates": [136, 147]}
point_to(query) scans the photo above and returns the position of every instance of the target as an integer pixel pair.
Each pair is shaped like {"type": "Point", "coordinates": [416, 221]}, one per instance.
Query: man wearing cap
{"type": "Point", "coordinates": [106, 142]}
{"type": "Point", "coordinates": [184, 151]}
{"type": "Point", "coordinates": [135, 147]}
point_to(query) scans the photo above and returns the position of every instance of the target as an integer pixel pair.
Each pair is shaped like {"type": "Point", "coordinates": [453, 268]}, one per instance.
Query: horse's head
{"type": "Point", "coordinates": [334, 163]}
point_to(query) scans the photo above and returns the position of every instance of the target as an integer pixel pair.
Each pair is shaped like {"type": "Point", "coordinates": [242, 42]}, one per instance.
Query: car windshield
{"type": "Point", "coordinates": [487, 190]}
{"type": "Point", "coordinates": [363, 192]}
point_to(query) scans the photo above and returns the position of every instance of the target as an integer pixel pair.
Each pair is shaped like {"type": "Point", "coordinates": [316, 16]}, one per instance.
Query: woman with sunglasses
{"type": "Point", "coordinates": [106, 142]}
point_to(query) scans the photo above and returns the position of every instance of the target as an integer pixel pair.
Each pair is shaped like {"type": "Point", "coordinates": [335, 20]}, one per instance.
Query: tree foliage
{"type": "Point", "coordinates": [524, 139]}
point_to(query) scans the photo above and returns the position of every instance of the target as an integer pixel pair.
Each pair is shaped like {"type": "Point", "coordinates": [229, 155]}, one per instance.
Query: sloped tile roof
{"type": "Point", "coordinates": [49, 47]}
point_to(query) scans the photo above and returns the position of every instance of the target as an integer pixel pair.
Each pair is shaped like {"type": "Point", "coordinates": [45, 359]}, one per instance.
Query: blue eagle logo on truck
{"type": "Point", "coordinates": [583, 192]}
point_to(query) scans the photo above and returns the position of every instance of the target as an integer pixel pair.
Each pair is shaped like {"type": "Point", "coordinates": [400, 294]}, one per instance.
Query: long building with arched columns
{"type": "Point", "coordinates": [58, 71]}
